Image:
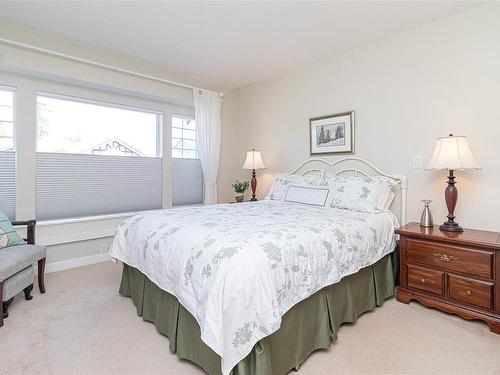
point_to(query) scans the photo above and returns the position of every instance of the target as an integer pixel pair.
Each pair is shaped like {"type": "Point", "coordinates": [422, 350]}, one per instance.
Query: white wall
{"type": "Point", "coordinates": [406, 91]}
{"type": "Point", "coordinates": [71, 243]}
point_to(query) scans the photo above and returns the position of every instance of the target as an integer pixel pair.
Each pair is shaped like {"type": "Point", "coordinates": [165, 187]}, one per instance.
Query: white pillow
{"type": "Point", "coordinates": [282, 181]}
{"type": "Point", "coordinates": [361, 193]}
{"type": "Point", "coordinates": [388, 202]}
{"type": "Point", "coordinates": [312, 196]}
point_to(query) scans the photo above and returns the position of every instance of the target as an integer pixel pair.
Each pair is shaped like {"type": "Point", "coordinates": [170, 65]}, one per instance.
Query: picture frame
{"type": "Point", "coordinates": [332, 134]}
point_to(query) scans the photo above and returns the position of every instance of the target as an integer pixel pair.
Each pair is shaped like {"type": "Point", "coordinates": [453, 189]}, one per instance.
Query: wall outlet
{"type": "Point", "coordinates": [417, 162]}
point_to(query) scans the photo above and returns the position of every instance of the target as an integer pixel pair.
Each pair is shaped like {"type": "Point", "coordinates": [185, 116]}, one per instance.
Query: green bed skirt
{"type": "Point", "coordinates": [308, 326]}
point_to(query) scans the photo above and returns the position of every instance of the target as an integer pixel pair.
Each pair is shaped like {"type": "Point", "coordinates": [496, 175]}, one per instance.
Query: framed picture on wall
{"type": "Point", "coordinates": [332, 134]}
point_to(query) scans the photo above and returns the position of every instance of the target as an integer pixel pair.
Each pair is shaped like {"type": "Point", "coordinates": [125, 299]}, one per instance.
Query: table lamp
{"type": "Point", "coordinates": [254, 161]}
{"type": "Point", "coordinates": [452, 153]}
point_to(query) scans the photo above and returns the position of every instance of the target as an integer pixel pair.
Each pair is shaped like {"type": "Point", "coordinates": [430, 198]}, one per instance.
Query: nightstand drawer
{"type": "Point", "coordinates": [425, 279]}
{"type": "Point", "coordinates": [470, 261]}
{"type": "Point", "coordinates": [471, 292]}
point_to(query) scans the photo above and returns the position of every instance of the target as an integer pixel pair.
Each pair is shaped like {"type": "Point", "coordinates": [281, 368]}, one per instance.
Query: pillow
{"type": "Point", "coordinates": [361, 193]}
{"type": "Point", "coordinates": [8, 235]}
{"type": "Point", "coordinates": [388, 202]}
{"type": "Point", "coordinates": [282, 181]}
{"type": "Point", "coordinates": [313, 196]}
{"type": "Point", "coordinates": [318, 178]}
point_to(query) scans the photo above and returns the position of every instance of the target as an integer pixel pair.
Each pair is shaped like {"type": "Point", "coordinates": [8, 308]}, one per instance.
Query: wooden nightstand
{"type": "Point", "coordinates": [457, 273]}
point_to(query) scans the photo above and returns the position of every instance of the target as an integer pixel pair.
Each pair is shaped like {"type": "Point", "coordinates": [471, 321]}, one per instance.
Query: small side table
{"type": "Point", "coordinates": [454, 272]}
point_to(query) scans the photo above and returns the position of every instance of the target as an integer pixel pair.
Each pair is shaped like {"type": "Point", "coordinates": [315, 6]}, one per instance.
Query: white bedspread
{"type": "Point", "coordinates": [239, 267]}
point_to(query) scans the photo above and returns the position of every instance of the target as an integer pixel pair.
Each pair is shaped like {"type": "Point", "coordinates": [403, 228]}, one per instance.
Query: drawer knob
{"type": "Point", "coordinates": [468, 292]}
{"type": "Point", "coordinates": [445, 257]}
{"type": "Point", "coordinates": [422, 280]}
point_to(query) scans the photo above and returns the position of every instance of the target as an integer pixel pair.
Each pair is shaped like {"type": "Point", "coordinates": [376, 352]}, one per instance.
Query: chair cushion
{"type": "Point", "coordinates": [16, 258]}
{"type": "Point", "coordinates": [8, 235]}
{"type": "Point", "coordinates": [37, 252]}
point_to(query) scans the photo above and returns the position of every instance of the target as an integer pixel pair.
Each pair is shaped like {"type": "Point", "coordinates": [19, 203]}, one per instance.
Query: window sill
{"type": "Point", "coordinates": [70, 236]}
{"type": "Point", "coordinates": [45, 223]}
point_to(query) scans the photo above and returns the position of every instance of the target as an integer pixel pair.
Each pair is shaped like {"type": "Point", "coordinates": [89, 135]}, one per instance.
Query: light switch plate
{"type": "Point", "coordinates": [417, 162]}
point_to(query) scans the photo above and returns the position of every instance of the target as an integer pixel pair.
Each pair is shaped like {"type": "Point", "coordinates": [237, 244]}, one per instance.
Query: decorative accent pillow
{"type": "Point", "coordinates": [361, 193]}
{"type": "Point", "coordinates": [282, 181]}
{"type": "Point", "coordinates": [312, 196]}
{"type": "Point", "coordinates": [8, 235]}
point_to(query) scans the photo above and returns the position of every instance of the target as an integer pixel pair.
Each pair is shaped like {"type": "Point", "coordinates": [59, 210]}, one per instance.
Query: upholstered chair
{"type": "Point", "coordinates": [17, 268]}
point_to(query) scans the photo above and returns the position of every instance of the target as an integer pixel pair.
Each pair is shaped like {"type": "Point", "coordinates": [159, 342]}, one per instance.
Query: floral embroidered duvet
{"type": "Point", "coordinates": [238, 268]}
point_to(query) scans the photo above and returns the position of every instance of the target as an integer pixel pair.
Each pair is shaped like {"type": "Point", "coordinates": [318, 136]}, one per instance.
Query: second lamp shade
{"type": "Point", "coordinates": [254, 160]}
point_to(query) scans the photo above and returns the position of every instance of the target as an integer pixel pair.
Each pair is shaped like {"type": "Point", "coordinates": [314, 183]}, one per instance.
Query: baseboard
{"type": "Point", "coordinates": [75, 237]}
{"type": "Point", "coordinates": [76, 262]}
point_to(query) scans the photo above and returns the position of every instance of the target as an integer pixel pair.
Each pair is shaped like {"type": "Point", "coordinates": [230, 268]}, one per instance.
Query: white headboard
{"type": "Point", "coordinates": [355, 165]}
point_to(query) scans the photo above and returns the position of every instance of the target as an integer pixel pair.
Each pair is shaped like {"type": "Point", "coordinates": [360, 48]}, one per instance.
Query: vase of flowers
{"type": "Point", "coordinates": [239, 188]}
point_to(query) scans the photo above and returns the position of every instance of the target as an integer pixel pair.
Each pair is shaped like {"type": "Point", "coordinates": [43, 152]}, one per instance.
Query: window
{"type": "Point", "coordinates": [187, 176]}
{"type": "Point", "coordinates": [6, 120]}
{"type": "Point", "coordinates": [7, 154]}
{"type": "Point", "coordinates": [96, 158]}
{"type": "Point", "coordinates": [66, 125]}
{"type": "Point", "coordinates": [184, 143]}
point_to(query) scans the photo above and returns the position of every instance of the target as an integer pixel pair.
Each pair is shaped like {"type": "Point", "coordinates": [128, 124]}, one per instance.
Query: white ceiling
{"type": "Point", "coordinates": [232, 44]}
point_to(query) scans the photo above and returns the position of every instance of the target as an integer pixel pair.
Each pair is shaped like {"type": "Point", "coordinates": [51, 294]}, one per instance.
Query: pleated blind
{"type": "Point", "coordinates": [187, 182]}
{"type": "Point", "coordinates": [8, 183]}
{"type": "Point", "coordinates": [77, 185]}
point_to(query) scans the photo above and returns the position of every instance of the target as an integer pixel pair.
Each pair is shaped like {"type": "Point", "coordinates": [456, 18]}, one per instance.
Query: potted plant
{"type": "Point", "coordinates": [239, 188]}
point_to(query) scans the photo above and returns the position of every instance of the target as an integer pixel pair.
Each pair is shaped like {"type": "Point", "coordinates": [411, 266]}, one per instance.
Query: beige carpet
{"type": "Point", "coordinates": [82, 326]}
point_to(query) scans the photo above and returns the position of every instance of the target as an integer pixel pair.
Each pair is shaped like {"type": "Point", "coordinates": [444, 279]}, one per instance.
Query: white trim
{"type": "Point", "coordinates": [112, 68]}
{"type": "Point", "coordinates": [94, 63]}
{"type": "Point", "coordinates": [72, 220]}
{"type": "Point", "coordinates": [8, 88]}
{"type": "Point", "coordinates": [401, 179]}
{"type": "Point", "coordinates": [104, 88]}
{"type": "Point", "coordinates": [159, 137]}
{"type": "Point", "coordinates": [76, 262]}
{"type": "Point", "coordinates": [75, 237]}
{"type": "Point", "coordinates": [182, 116]}
{"type": "Point", "coordinates": [96, 102]}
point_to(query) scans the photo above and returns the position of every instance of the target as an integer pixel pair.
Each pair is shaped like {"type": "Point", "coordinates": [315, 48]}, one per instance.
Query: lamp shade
{"type": "Point", "coordinates": [452, 152]}
{"type": "Point", "coordinates": [254, 160]}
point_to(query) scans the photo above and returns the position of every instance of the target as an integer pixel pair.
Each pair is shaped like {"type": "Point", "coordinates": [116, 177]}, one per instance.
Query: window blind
{"type": "Point", "coordinates": [8, 183]}
{"type": "Point", "coordinates": [77, 185]}
{"type": "Point", "coordinates": [187, 182]}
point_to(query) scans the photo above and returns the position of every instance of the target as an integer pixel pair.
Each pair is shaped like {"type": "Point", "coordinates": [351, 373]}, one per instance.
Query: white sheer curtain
{"type": "Point", "coordinates": [207, 106]}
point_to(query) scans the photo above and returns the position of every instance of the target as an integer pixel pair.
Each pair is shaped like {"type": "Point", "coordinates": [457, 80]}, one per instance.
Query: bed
{"type": "Point", "coordinates": [254, 288]}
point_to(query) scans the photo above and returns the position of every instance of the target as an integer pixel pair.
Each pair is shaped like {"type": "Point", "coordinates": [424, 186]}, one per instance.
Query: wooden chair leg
{"type": "Point", "coordinates": [41, 274]}
{"type": "Point", "coordinates": [5, 306]}
{"type": "Point", "coordinates": [27, 292]}
{"type": "Point", "coordinates": [1, 299]}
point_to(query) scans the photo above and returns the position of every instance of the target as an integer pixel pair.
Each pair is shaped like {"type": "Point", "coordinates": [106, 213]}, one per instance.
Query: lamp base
{"type": "Point", "coordinates": [451, 197]}
{"type": "Point", "coordinates": [450, 227]}
{"type": "Point", "coordinates": [254, 186]}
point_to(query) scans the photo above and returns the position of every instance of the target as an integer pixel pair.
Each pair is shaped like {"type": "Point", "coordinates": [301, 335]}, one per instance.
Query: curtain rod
{"type": "Point", "coordinates": [95, 63]}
